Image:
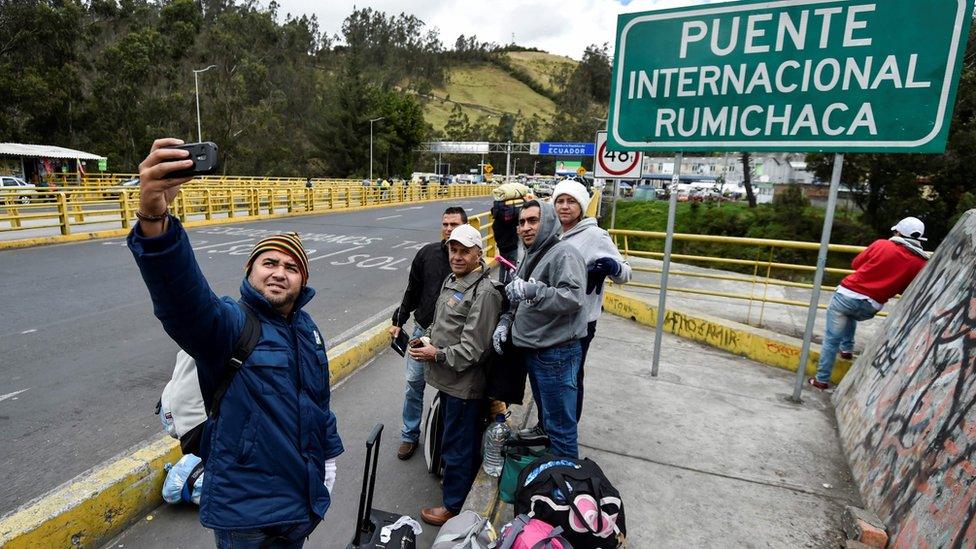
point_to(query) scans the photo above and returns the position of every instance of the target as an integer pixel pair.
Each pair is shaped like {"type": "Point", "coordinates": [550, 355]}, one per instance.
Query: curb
{"type": "Point", "coordinates": [761, 345]}
{"type": "Point", "coordinates": [115, 233]}
{"type": "Point", "coordinates": [100, 503]}
{"type": "Point", "coordinates": [483, 496]}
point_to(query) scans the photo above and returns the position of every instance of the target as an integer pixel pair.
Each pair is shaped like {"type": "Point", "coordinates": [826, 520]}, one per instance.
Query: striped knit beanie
{"type": "Point", "coordinates": [286, 243]}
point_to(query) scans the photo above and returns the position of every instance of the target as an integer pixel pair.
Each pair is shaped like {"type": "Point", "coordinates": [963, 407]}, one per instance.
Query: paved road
{"type": "Point", "coordinates": [82, 359]}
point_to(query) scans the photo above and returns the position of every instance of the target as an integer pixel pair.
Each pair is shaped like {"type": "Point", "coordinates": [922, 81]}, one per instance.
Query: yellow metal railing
{"type": "Point", "coordinates": [758, 277]}
{"type": "Point", "coordinates": [71, 208]}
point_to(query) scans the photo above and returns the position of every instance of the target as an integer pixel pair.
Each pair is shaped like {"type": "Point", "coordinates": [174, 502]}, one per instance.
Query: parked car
{"type": "Point", "coordinates": [20, 190]}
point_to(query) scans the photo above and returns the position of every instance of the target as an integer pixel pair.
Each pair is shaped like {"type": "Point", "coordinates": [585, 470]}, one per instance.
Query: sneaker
{"type": "Point", "coordinates": [533, 432]}
{"type": "Point", "coordinates": [818, 384]}
{"type": "Point", "coordinates": [847, 355]}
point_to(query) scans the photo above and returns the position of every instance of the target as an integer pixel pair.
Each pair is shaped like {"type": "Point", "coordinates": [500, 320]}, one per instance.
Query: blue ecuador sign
{"type": "Point", "coordinates": [566, 149]}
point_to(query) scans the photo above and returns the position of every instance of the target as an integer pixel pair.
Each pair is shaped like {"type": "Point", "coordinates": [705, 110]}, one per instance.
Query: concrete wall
{"type": "Point", "coordinates": [906, 410]}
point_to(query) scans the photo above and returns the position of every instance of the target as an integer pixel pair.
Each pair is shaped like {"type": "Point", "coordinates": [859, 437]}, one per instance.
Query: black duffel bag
{"type": "Point", "coordinates": [576, 495]}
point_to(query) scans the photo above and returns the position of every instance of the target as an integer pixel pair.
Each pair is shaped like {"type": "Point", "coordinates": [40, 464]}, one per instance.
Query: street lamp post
{"type": "Point", "coordinates": [371, 146]}
{"type": "Point", "coordinates": [196, 86]}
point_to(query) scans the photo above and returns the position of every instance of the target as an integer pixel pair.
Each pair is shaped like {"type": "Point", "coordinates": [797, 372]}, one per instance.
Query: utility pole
{"type": "Point", "coordinates": [371, 146]}
{"type": "Point", "coordinates": [196, 87]}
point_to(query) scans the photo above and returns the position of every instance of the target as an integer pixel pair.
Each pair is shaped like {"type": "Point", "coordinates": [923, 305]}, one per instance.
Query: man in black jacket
{"type": "Point", "coordinates": [427, 272]}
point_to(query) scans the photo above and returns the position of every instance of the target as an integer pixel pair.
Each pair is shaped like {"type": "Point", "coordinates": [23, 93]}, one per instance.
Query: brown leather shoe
{"type": "Point", "coordinates": [406, 450]}
{"type": "Point", "coordinates": [436, 516]}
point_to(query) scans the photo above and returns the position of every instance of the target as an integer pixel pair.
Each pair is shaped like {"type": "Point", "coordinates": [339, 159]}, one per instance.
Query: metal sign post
{"type": "Point", "coordinates": [666, 266]}
{"type": "Point", "coordinates": [613, 204]}
{"type": "Point", "coordinates": [801, 368]}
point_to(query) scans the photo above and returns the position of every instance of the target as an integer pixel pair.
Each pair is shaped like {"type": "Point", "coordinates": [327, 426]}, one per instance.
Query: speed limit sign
{"type": "Point", "coordinates": [615, 164]}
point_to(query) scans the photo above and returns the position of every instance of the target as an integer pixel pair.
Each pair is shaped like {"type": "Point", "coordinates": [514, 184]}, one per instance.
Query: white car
{"type": "Point", "coordinates": [20, 189]}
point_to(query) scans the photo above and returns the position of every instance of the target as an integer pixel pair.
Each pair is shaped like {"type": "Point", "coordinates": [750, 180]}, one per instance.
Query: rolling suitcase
{"type": "Point", "coordinates": [434, 436]}
{"type": "Point", "coordinates": [369, 521]}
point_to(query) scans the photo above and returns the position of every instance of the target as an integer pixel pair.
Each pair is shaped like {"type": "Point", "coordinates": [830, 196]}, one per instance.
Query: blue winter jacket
{"type": "Point", "coordinates": [265, 452]}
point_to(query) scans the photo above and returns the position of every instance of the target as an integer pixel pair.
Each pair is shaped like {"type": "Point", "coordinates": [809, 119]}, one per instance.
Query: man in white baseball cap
{"type": "Point", "coordinates": [881, 271]}
{"type": "Point", "coordinates": [465, 316]}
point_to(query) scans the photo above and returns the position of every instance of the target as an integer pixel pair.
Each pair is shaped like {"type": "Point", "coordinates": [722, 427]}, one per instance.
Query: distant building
{"type": "Point", "coordinates": [43, 164]}
{"type": "Point", "coordinates": [772, 168]}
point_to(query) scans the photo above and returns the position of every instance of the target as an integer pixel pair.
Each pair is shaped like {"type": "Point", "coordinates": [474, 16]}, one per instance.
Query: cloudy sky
{"type": "Point", "coordinates": [558, 26]}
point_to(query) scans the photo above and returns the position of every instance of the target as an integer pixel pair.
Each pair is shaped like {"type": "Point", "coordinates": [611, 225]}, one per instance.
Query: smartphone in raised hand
{"type": "Point", "coordinates": [205, 157]}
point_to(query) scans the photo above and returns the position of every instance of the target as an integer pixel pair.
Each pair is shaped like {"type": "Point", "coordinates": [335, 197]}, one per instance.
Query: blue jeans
{"type": "Point", "coordinates": [552, 374]}
{"type": "Point", "coordinates": [460, 448]}
{"type": "Point", "coordinates": [413, 397]}
{"type": "Point", "coordinates": [842, 316]}
{"type": "Point", "coordinates": [291, 536]}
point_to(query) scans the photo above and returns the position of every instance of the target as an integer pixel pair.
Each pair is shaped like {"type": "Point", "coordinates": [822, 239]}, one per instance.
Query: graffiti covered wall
{"type": "Point", "coordinates": [906, 409]}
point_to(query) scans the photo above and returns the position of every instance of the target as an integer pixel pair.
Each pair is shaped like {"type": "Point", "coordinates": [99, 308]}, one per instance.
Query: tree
{"type": "Point", "coordinates": [747, 179]}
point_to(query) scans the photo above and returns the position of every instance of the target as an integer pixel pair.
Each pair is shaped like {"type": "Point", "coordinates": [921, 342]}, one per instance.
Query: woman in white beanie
{"type": "Point", "coordinates": [571, 199]}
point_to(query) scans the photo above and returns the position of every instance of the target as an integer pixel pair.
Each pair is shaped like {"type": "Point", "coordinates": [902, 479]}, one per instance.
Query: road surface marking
{"type": "Point", "coordinates": [222, 244]}
{"type": "Point", "coordinates": [13, 394]}
{"type": "Point", "coordinates": [355, 330]}
{"type": "Point", "coordinates": [32, 330]}
{"type": "Point", "coordinates": [389, 217]}
{"type": "Point", "coordinates": [354, 248]}
{"type": "Point", "coordinates": [410, 208]}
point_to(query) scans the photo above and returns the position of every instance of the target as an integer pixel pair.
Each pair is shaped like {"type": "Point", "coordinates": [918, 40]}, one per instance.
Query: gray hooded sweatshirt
{"type": "Point", "coordinates": [594, 243]}
{"type": "Point", "coordinates": [555, 316]}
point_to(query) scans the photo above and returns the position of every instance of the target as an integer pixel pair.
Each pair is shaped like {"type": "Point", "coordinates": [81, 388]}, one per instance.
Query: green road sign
{"type": "Point", "coordinates": [792, 75]}
{"type": "Point", "coordinates": [102, 164]}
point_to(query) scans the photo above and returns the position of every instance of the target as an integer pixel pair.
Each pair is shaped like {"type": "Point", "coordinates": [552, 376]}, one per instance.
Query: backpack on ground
{"type": "Point", "coordinates": [575, 495]}
{"type": "Point", "coordinates": [181, 407]}
{"type": "Point", "coordinates": [525, 532]}
{"type": "Point", "coordinates": [469, 530]}
{"type": "Point", "coordinates": [434, 436]}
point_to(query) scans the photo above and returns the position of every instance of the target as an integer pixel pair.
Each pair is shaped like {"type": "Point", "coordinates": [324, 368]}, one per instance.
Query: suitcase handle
{"type": "Point", "coordinates": [369, 483]}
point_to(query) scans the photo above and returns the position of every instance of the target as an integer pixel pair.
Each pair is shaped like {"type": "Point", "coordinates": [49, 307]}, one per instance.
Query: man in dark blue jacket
{"type": "Point", "coordinates": [270, 453]}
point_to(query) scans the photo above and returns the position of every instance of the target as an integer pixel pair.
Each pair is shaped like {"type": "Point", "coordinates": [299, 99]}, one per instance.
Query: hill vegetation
{"type": "Point", "coordinates": [282, 97]}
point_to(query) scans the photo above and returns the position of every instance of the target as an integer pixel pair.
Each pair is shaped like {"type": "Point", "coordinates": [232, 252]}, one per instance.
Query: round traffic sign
{"type": "Point", "coordinates": [617, 163]}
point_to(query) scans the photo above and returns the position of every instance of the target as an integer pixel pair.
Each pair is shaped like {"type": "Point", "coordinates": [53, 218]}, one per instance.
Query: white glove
{"type": "Point", "coordinates": [522, 290]}
{"type": "Point", "coordinates": [500, 334]}
{"type": "Point", "coordinates": [330, 474]}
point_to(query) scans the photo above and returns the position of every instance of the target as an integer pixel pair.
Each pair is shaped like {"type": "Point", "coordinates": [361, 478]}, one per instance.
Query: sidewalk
{"type": "Point", "coordinates": [709, 454]}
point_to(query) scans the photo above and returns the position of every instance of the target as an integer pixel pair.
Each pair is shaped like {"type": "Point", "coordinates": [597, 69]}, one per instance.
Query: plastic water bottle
{"type": "Point", "coordinates": [495, 438]}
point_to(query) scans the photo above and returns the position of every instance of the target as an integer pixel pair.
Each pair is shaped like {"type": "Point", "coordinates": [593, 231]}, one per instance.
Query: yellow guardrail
{"type": "Point", "coordinates": [72, 208]}
{"type": "Point", "coordinates": [765, 279]}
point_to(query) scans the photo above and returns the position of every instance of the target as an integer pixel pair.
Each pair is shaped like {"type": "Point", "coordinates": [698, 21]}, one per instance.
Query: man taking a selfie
{"type": "Point", "coordinates": [274, 420]}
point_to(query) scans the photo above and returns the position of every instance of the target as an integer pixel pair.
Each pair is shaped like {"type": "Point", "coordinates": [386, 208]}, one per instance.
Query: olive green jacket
{"type": "Point", "coordinates": [465, 316]}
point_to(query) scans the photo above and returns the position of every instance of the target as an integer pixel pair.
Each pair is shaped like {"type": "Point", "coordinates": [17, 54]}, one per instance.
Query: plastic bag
{"type": "Point", "coordinates": [176, 476]}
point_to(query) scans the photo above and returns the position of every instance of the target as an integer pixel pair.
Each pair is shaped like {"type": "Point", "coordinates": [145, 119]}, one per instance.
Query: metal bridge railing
{"type": "Point", "coordinates": [762, 269]}
{"type": "Point", "coordinates": [74, 208]}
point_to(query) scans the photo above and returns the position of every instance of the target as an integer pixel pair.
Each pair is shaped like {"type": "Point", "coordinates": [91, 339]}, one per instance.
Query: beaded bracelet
{"type": "Point", "coordinates": [152, 218]}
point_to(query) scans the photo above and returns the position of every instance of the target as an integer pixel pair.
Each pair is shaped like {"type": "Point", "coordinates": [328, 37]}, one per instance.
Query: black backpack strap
{"type": "Point", "coordinates": [186, 494]}
{"type": "Point", "coordinates": [246, 342]}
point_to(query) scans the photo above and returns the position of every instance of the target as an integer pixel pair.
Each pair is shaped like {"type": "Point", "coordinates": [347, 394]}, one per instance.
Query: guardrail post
{"type": "Point", "coordinates": [271, 201]}
{"type": "Point", "coordinates": [253, 206]}
{"type": "Point", "coordinates": [331, 198]}
{"type": "Point", "coordinates": [309, 199]}
{"type": "Point", "coordinates": [348, 198]}
{"type": "Point", "coordinates": [124, 208]}
{"type": "Point", "coordinates": [180, 203]}
{"type": "Point", "coordinates": [13, 213]}
{"type": "Point", "coordinates": [63, 214]}
{"type": "Point", "coordinates": [207, 204]}
{"type": "Point", "coordinates": [291, 200]}
{"type": "Point", "coordinates": [78, 212]}
{"type": "Point", "coordinates": [231, 203]}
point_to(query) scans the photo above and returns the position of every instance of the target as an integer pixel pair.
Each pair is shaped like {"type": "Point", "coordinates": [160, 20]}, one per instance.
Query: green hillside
{"type": "Point", "coordinates": [488, 89]}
